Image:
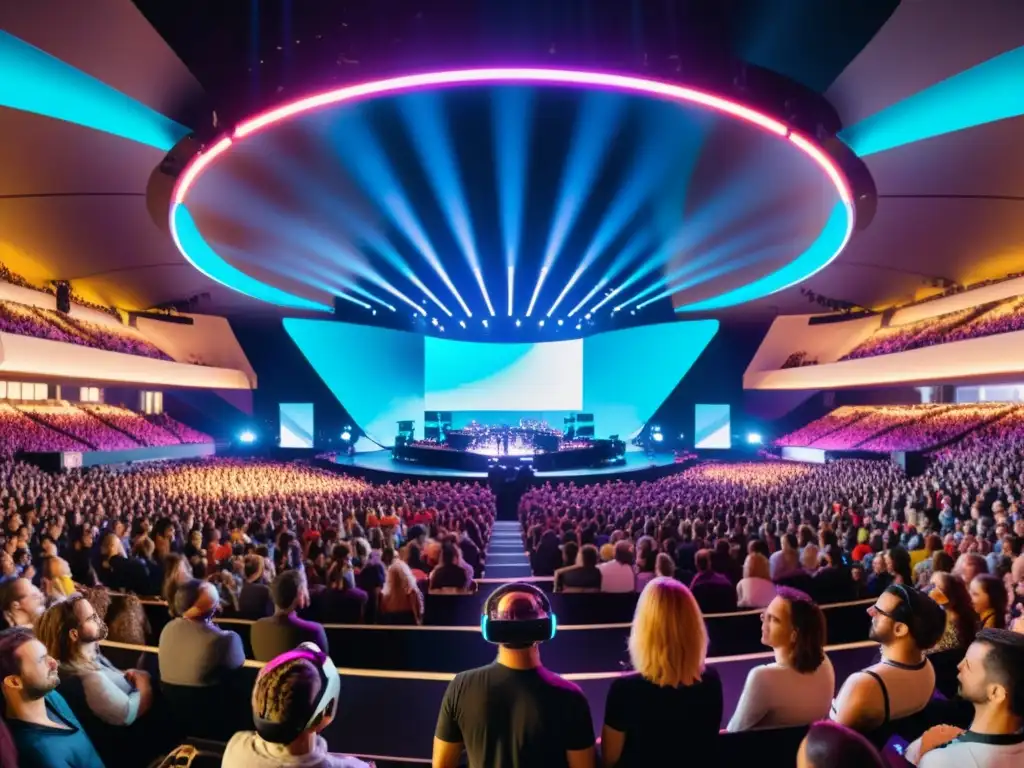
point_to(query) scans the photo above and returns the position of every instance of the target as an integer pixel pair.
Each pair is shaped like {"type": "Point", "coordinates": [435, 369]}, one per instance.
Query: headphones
{"type": "Point", "coordinates": [517, 631]}
{"type": "Point", "coordinates": [306, 716]}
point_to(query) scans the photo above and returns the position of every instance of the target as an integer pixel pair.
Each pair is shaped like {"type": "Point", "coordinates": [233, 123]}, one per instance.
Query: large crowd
{"type": "Point", "coordinates": [940, 554]}
{"type": "Point", "coordinates": [57, 426]}
{"type": "Point", "coordinates": [26, 320]}
{"type": "Point", "coordinates": [904, 427]}
{"type": "Point", "coordinates": [973, 322]}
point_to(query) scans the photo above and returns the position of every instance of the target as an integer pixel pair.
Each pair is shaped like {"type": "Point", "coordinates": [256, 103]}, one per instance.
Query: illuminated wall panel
{"type": "Point", "coordinates": [296, 425]}
{"type": "Point", "coordinates": [711, 426]}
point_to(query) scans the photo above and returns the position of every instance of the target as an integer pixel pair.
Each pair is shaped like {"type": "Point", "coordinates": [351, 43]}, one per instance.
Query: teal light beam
{"type": "Point", "coordinates": [985, 93]}
{"type": "Point", "coordinates": [34, 81]}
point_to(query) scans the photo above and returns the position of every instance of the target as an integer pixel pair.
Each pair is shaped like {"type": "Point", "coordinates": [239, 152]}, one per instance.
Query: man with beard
{"type": "Point", "coordinates": [992, 679]}
{"type": "Point", "coordinates": [905, 623]}
{"type": "Point", "coordinates": [110, 704]}
{"type": "Point", "coordinates": [45, 731]}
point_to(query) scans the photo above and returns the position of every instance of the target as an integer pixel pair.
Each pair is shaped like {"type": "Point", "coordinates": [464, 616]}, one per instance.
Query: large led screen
{"type": "Point", "coordinates": [382, 376]}
{"type": "Point", "coordinates": [476, 376]}
{"type": "Point", "coordinates": [296, 425]}
{"type": "Point", "coordinates": [711, 426]}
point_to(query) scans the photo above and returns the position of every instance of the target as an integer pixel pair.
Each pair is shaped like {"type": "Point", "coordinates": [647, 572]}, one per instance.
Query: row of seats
{"type": "Point", "coordinates": [359, 728]}
{"type": "Point", "coordinates": [455, 647]}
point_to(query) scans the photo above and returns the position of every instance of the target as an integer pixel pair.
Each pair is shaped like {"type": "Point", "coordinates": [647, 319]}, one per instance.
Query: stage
{"type": "Point", "coordinates": [379, 466]}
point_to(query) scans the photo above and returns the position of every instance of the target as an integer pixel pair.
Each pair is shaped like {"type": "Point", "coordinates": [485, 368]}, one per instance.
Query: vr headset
{"type": "Point", "coordinates": [307, 716]}
{"type": "Point", "coordinates": [505, 631]}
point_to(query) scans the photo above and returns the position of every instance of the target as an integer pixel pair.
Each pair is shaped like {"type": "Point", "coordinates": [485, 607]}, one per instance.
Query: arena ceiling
{"type": "Point", "coordinates": [73, 196]}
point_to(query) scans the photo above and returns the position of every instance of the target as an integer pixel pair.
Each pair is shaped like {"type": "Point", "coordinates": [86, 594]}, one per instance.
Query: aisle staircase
{"type": "Point", "coordinates": [506, 552]}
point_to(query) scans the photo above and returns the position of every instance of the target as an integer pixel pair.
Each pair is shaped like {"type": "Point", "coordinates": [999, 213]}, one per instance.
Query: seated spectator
{"type": "Point", "coordinates": [833, 583]}
{"type": "Point", "coordinates": [114, 570]}
{"type": "Point", "coordinates": [514, 711]}
{"type": "Point", "coordinates": [988, 595]}
{"type": "Point", "coordinates": [755, 589]}
{"type": "Point", "coordinates": [961, 621]}
{"type": "Point", "coordinates": [284, 630]}
{"type": "Point", "coordinates": [193, 651]}
{"type": "Point", "coordinates": [992, 680]}
{"type": "Point", "coordinates": [646, 554]}
{"type": "Point", "coordinates": [295, 699]}
{"type": "Point", "coordinates": [831, 745]}
{"type": "Point", "coordinates": [585, 575]}
{"type": "Point", "coordinates": [906, 623]}
{"type": "Point", "coordinates": [797, 688]}
{"type": "Point", "coordinates": [105, 700]}
{"type": "Point", "coordinates": [787, 560]}
{"type": "Point", "coordinates": [713, 591]}
{"type": "Point", "coordinates": [664, 565]}
{"type": "Point", "coordinates": [340, 603]}
{"type": "Point", "coordinates": [400, 602]}
{"type": "Point", "coordinates": [969, 565]}
{"type": "Point", "coordinates": [21, 603]}
{"type": "Point", "coordinates": [45, 730]}
{"type": "Point", "coordinates": [254, 601]}
{"type": "Point", "coordinates": [880, 578]}
{"type": "Point", "coordinates": [547, 557]}
{"type": "Point", "coordinates": [671, 692]}
{"type": "Point", "coordinates": [617, 574]}
{"type": "Point", "coordinates": [80, 557]}
{"type": "Point", "coordinates": [56, 581]}
{"type": "Point", "coordinates": [449, 573]}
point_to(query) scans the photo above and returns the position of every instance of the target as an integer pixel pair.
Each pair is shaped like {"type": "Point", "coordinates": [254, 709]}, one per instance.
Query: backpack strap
{"type": "Point", "coordinates": [885, 692]}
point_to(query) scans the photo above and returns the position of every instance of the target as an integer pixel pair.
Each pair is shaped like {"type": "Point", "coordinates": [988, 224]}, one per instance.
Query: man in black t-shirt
{"type": "Point", "coordinates": [514, 713]}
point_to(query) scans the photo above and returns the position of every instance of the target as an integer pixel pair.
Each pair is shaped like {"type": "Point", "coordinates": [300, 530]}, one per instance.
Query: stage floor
{"type": "Point", "coordinates": [381, 461]}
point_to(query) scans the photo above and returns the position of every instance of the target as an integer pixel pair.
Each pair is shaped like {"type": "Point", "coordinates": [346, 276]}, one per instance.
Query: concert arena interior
{"type": "Point", "coordinates": [665, 343]}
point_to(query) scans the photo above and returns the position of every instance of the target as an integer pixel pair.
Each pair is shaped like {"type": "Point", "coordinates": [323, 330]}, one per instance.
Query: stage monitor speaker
{"type": "Point", "coordinates": [63, 296]}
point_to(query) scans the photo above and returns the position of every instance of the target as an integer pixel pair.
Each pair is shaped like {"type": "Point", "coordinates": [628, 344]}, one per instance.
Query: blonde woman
{"type": "Point", "coordinates": [755, 589]}
{"type": "Point", "coordinates": [401, 601]}
{"type": "Point", "coordinates": [671, 692]}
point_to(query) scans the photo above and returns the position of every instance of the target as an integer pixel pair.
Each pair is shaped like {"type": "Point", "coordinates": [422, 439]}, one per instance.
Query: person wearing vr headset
{"type": "Point", "coordinates": [294, 700]}
{"type": "Point", "coordinates": [514, 712]}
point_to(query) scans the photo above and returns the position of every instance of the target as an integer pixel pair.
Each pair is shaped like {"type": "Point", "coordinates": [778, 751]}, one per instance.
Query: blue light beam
{"type": "Point", "coordinates": [512, 107]}
{"type": "Point", "coordinates": [596, 124]}
{"type": "Point", "coordinates": [426, 128]}
{"type": "Point", "coordinates": [366, 158]}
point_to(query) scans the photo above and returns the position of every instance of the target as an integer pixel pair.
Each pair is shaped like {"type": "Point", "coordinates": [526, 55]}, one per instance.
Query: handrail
{"type": "Point", "coordinates": [387, 674]}
{"type": "Point", "coordinates": [476, 628]}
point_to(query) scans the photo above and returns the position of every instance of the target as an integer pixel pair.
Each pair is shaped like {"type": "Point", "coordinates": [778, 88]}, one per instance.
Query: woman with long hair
{"type": "Point", "coordinates": [177, 570]}
{"type": "Point", "coordinates": [401, 601]}
{"type": "Point", "coordinates": [988, 593]}
{"type": "Point", "coordinates": [898, 560]}
{"type": "Point", "coordinates": [671, 691]}
{"type": "Point", "coordinates": [797, 688]}
{"type": "Point", "coordinates": [755, 589]}
{"type": "Point", "coordinates": [950, 592]}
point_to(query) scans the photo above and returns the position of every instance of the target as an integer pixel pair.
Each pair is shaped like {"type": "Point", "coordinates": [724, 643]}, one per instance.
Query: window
{"type": "Point", "coordinates": [14, 390]}
{"type": "Point", "coordinates": [89, 395]}
{"type": "Point", "coordinates": [152, 402]}
{"type": "Point", "coordinates": [41, 392]}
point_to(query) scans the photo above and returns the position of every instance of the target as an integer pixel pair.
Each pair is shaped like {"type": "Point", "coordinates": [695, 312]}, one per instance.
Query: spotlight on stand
{"type": "Point", "coordinates": [753, 438]}
{"type": "Point", "coordinates": [247, 437]}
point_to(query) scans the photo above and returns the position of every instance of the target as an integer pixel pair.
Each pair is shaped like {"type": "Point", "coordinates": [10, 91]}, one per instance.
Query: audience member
{"type": "Point", "coordinates": [961, 620]}
{"type": "Point", "coordinates": [284, 630]}
{"type": "Point", "coordinates": [905, 623]}
{"type": "Point", "coordinates": [755, 589]}
{"type": "Point", "coordinates": [514, 711]}
{"type": "Point", "coordinates": [193, 651]}
{"type": "Point", "coordinates": [45, 730]}
{"type": "Point", "coordinates": [831, 745]}
{"type": "Point", "coordinates": [671, 691]}
{"type": "Point", "coordinates": [713, 591]}
{"type": "Point", "coordinates": [295, 699]}
{"type": "Point", "coordinates": [400, 602]}
{"type": "Point", "coordinates": [988, 595]}
{"type": "Point", "coordinates": [617, 574]}
{"type": "Point", "coordinates": [21, 602]}
{"type": "Point", "coordinates": [585, 575]}
{"type": "Point", "coordinates": [992, 679]}
{"type": "Point", "coordinates": [797, 688]}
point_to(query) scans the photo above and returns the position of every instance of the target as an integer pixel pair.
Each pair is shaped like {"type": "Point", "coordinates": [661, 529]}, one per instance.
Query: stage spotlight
{"type": "Point", "coordinates": [579, 326]}
{"type": "Point", "coordinates": [440, 328]}
{"type": "Point", "coordinates": [541, 323]}
{"type": "Point", "coordinates": [561, 321]}
{"type": "Point", "coordinates": [518, 322]}
{"type": "Point", "coordinates": [248, 437]}
{"type": "Point", "coordinates": [586, 316]}
{"type": "Point", "coordinates": [657, 437]}
{"type": "Point", "coordinates": [462, 323]}
{"type": "Point", "coordinates": [632, 311]}
{"type": "Point", "coordinates": [485, 322]}
{"type": "Point", "coordinates": [433, 321]}
{"type": "Point", "coordinates": [375, 313]}
{"type": "Point", "coordinates": [346, 436]}
{"type": "Point", "coordinates": [753, 438]}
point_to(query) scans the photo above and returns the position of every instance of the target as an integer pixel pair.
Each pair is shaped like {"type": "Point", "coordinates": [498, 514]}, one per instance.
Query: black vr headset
{"type": "Point", "coordinates": [511, 631]}
{"type": "Point", "coordinates": [305, 717]}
